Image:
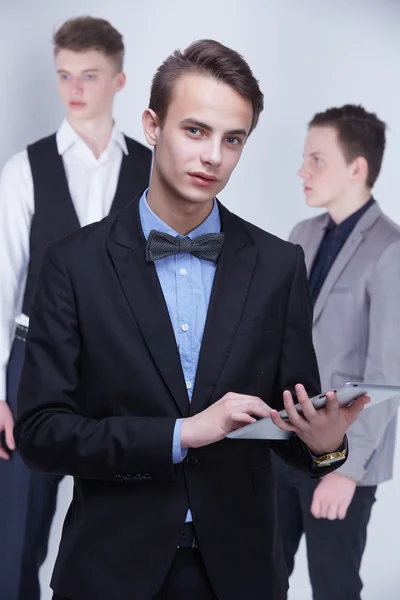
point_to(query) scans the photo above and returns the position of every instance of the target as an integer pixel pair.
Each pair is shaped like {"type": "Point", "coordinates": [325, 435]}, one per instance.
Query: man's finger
{"type": "Point", "coordinates": [342, 510]}
{"type": "Point", "coordinates": [332, 513]}
{"type": "Point", "coordinates": [324, 508]}
{"type": "Point", "coordinates": [260, 409]}
{"type": "Point", "coordinates": [293, 415]}
{"type": "Point", "coordinates": [9, 434]}
{"type": "Point", "coordinates": [316, 507]}
{"type": "Point", "coordinates": [242, 418]}
{"type": "Point", "coordinates": [332, 404]}
{"type": "Point", "coordinates": [279, 422]}
{"type": "Point", "coordinates": [355, 409]}
{"type": "Point", "coordinates": [309, 411]}
{"type": "Point", "coordinates": [3, 454]}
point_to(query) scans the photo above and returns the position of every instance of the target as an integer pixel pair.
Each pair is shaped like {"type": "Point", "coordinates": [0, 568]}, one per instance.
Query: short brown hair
{"type": "Point", "coordinates": [89, 33]}
{"type": "Point", "coordinates": [360, 133]}
{"type": "Point", "coordinates": [211, 58]}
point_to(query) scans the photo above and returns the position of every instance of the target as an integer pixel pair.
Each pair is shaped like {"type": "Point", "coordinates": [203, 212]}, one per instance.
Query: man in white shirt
{"type": "Point", "coordinates": [60, 183]}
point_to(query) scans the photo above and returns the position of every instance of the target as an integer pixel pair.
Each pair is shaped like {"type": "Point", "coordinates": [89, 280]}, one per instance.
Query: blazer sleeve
{"type": "Point", "coordinates": [382, 362]}
{"type": "Point", "coordinates": [51, 433]}
{"type": "Point", "coordinates": [298, 364]}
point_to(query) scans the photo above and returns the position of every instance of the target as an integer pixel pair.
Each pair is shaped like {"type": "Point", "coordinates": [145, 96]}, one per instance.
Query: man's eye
{"type": "Point", "coordinates": [234, 141]}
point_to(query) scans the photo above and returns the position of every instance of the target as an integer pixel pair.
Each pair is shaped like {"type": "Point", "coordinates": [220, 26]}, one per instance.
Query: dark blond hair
{"type": "Point", "coordinates": [89, 33]}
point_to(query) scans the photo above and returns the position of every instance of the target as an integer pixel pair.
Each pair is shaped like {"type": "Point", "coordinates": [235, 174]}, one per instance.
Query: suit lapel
{"type": "Point", "coordinates": [231, 284]}
{"type": "Point", "coordinates": [143, 292]}
{"type": "Point", "coordinates": [344, 257]}
{"type": "Point", "coordinates": [312, 243]}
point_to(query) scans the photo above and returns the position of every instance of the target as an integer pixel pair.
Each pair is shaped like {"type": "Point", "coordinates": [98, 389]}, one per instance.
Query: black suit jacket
{"type": "Point", "coordinates": [102, 387]}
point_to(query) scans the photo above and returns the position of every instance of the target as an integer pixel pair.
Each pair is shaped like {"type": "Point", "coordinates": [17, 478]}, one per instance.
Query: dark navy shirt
{"type": "Point", "coordinates": [332, 243]}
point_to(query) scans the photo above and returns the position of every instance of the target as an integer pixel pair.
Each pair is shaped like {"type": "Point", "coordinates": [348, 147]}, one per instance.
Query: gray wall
{"type": "Point", "coordinates": [308, 55]}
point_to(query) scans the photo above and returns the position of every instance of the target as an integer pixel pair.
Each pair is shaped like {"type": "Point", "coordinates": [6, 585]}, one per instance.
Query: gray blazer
{"type": "Point", "coordinates": [356, 331]}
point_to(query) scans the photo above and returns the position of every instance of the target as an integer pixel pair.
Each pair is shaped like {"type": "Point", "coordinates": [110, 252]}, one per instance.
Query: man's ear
{"type": "Point", "coordinates": [120, 81]}
{"type": "Point", "coordinates": [360, 170]}
{"type": "Point", "coordinates": [151, 126]}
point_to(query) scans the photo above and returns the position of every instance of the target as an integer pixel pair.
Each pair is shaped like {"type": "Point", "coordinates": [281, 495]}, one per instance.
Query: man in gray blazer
{"type": "Point", "coordinates": [353, 259]}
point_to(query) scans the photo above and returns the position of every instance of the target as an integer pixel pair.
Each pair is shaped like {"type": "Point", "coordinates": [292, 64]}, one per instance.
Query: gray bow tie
{"type": "Point", "coordinates": [159, 245]}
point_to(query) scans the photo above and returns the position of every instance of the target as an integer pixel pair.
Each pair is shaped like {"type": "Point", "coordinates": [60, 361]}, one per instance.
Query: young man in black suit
{"type": "Point", "coordinates": [160, 330]}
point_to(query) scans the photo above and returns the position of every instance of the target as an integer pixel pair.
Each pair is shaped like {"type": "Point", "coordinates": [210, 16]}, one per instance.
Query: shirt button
{"type": "Point", "coordinates": [185, 327]}
{"type": "Point", "coordinates": [183, 272]}
{"type": "Point", "coordinates": [188, 385]}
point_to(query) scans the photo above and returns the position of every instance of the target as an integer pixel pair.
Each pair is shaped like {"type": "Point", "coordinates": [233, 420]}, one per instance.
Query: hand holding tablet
{"type": "Point", "coordinates": [346, 395]}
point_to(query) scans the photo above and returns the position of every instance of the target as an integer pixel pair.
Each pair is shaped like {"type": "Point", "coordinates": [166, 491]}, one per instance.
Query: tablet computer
{"type": "Point", "coordinates": [265, 429]}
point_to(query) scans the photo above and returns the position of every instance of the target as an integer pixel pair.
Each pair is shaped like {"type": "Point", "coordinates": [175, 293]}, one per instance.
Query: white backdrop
{"type": "Point", "coordinates": [308, 55]}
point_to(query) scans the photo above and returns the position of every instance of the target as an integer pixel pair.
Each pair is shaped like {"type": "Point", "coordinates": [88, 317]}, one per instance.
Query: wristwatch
{"type": "Point", "coordinates": [326, 460]}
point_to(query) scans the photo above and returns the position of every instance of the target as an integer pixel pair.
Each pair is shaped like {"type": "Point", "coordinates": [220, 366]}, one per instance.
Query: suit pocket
{"type": "Point", "coordinates": [342, 289]}
{"type": "Point", "coordinates": [256, 325]}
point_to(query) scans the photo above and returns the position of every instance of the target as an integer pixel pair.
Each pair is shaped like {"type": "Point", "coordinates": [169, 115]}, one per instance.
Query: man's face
{"type": "Point", "coordinates": [202, 138]}
{"type": "Point", "coordinates": [87, 83]}
{"type": "Point", "coordinates": [325, 174]}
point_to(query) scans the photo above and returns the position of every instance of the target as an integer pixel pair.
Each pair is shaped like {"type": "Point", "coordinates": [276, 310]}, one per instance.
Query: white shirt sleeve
{"type": "Point", "coordinates": [16, 212]}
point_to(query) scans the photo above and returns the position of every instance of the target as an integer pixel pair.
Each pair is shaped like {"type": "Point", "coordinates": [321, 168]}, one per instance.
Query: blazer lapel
{"type": "Point", "coordinates": [313, 242]}
{"type": "Point", "coordinates": [143, 292]}
{"type": "Point", "coordinates": [344, 256]}
{"type": "Point", "coordinates": [231, 283]}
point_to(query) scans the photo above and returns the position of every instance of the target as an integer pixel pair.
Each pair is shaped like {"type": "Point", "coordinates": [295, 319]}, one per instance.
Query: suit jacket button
{"type": "Point", "coordinates": [192, 460]}
{"type": "Point", "coordinates": [138, 477]}
{"type": "Point", "coordinates": [118, 478]}
{"type": "Point", "coordinates": [147, 477]}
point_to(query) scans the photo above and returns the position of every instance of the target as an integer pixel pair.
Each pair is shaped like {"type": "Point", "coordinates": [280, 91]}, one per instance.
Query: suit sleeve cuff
{"type": "Point", "coordinates": [353, 468]}
{"type": "Point", "coordinates": [178, 453]}
{"type": "Point", "coordinates": [343, 446]}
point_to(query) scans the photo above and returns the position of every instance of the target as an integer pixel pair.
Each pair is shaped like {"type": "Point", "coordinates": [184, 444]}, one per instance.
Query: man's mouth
{"type": "Point", "coordinates": [204, 176]}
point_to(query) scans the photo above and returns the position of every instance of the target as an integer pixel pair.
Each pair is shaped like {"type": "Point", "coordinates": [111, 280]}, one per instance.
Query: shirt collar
{"type": "Point", "coordinates": [66, 136]}
{"type": "Point", "coordinates": [150, 220]}
{"type": "Point", "coordinates": [347, 226]}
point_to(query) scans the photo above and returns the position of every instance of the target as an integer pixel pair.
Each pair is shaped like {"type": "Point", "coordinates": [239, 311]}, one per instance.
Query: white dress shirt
{"type": "Point", "coordinates": [92, 184]}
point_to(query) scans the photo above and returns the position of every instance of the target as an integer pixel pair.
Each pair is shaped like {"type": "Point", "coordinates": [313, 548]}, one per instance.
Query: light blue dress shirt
{"type": "Point", "coordinates": [186, 282]}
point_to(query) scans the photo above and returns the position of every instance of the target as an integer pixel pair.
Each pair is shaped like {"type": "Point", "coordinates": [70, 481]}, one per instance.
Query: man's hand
{"type": "Point", "coordinates": [333, 496]}
{"type": "Point", "coordinates": [6, 425]}
{"type": "Point", "coordinates": [322, 430]}
{"type": "Point", "coordinates": [229, 413]}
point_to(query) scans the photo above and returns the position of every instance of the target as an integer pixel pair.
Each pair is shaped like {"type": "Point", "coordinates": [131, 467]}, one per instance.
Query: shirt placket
{"type": "Point", "coordinates": [97, 185]}
{"type": "Point", "coordinates": [186, 317]}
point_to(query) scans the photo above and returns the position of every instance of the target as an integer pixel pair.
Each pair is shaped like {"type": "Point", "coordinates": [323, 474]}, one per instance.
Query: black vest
{"type": "Point", "coordinates": [54, 215]}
